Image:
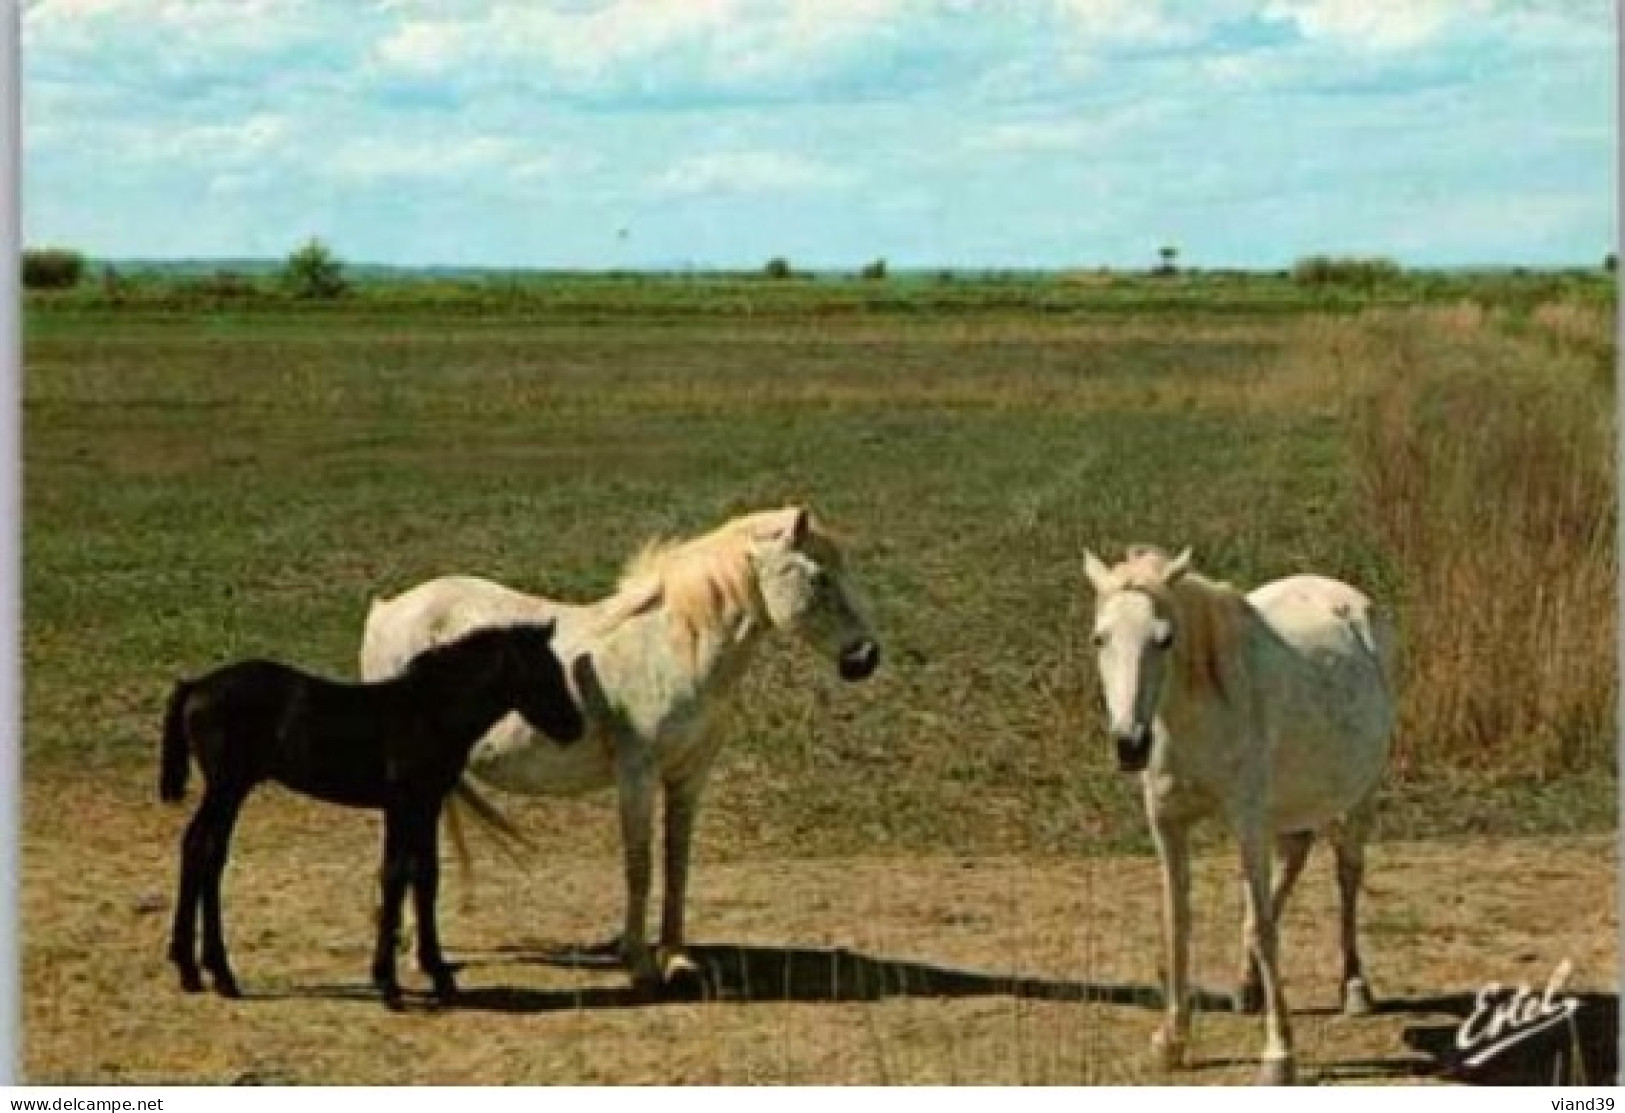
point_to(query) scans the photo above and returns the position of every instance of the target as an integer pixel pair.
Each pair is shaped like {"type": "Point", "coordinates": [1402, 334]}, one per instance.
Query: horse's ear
{"type": "Point", "coordinates": [1177, 567]}
{"type": "Point", "coordinates": [800, 527]}
{"type": "Point", "coordinates": [1096, 570]}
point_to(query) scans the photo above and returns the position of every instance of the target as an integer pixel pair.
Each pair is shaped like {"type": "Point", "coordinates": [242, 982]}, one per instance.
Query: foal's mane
{"type": "Point", "coordinates": [1210, 617]}
{"type": "Point", "coordinates": [449, 657]}
{"type": "Point", "coordinates": [706, 581]}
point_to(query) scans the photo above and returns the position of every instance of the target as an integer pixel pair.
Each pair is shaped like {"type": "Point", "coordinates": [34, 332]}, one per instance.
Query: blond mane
{"type": "Point", "coordinates": [1210, 616]}
{"type": "Point", "coordinates": [708, 581]}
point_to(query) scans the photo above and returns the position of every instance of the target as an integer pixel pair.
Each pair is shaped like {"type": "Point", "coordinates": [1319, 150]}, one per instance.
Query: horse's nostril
{"type": "Point", "coordinates": [1133, 747]}
{"type": "Point", "coordinates": [860, 661]}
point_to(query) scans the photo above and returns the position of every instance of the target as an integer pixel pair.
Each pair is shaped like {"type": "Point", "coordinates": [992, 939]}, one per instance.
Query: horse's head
{"type": "Point", "coordinates": [536, 677]}
{"type": "Point", "coordinates": [1134, 633]}
{"type": "Point", "coordinates": [805, 588]}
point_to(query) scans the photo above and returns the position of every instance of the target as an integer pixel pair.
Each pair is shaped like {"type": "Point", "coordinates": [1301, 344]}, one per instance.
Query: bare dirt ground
{"type": "Point", "coordinates": [905, 970]}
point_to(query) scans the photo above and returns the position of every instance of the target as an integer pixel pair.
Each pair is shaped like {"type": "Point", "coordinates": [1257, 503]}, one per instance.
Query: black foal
{"type": "Point", "coordinates": [397, 745]}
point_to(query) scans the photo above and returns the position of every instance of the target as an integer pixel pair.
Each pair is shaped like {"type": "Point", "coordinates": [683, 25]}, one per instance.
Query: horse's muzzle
{"type": "Point", "coordinates": [859, 662]}
{"type": "Point", "coordinates": [1133, 748]}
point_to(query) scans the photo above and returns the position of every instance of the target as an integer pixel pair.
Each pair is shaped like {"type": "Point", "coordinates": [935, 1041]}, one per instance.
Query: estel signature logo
{"type": "Point", "coordinates": [1504, 1017]}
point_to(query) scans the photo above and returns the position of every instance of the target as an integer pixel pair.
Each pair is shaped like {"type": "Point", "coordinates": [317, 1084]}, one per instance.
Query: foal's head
{"type": "Point", "coordinates": [518, 663]}
{"type": "Point", "coordinates": [1134, 636]}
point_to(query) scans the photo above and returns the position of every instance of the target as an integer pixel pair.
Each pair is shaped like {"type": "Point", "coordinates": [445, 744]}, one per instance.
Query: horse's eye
{"type": "Point", "coordinates": [1164, 640]}
{"type": "Point", "coordinates": [1099, 639]}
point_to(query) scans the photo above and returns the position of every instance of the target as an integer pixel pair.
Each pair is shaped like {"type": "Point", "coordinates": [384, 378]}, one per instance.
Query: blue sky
{"type": "Point", "coordinates": [626, 133]}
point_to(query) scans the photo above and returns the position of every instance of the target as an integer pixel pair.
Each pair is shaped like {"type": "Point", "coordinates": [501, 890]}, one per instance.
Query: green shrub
{"type": "Point", "coordinates": [314, 272]}
{"type": "Point", "coordinates": [52, 269]}
{"type": "Point", "coordinates": [1361, 274]}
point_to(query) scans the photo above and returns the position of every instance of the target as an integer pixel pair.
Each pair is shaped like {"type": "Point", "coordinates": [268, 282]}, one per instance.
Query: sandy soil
{"type": "Point", "coordinates": [907, 970]}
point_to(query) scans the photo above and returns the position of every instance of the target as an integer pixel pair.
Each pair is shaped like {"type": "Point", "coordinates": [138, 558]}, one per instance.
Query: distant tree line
{"type": "Point", "coordinates": [312, 271]}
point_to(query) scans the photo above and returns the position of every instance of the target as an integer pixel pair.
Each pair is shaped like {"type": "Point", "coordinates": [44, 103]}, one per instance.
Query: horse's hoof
{"type": "Point", "coordinates": [226, 986]}
{"type": "Point", "coordinates": [1168, 1052]}
{"type": "Point", "coordinates": [393, 999]}
{"type": "Point", "coordinates": [1357, 998]}
{"type": "Point", "coordinates": [1248, 999]}
{"type": "Point", "coordinates": [1282, 1071]}
{"type": "Point", "coordinates": [445, 991]}
{"type": "Point", "coordinates": [682, 976]}
{"type": "Point", "coordinates": [676, 966]}
{"type": "Point", "coordinates": [191, 981]}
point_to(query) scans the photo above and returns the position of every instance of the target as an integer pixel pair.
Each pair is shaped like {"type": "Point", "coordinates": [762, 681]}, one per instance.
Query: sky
{"type": "Point", "coordinates": [721, 133]}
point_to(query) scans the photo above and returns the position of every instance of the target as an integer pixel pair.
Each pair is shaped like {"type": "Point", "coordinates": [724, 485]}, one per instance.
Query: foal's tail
{"type": "Point", "coordinates": [174, 764]}
{"type": "Point", "coordinates": [466, 796]}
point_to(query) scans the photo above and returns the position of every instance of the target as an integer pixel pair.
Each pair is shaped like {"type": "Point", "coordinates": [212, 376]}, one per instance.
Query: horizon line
{"type": "Point", "coordinates": [687, 267]}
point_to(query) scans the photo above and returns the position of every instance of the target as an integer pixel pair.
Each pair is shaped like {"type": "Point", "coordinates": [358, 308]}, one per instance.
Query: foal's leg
{"type": "Point", "coordinates": [425, 891]}
{"type": "Point", "coordinates": [637, 793]}
{"type": "Point", "coordinates": [1173, 850]}
{"type": "Point", "coordinates": [395, 876]}
{"type": "Point", "coordinates": [1291, 853]}
{"type": "Point", "coordinates": [183, 933]}
{"type": "Point", "coordinates": [682, 804]}
{"type": "Point", "coordinates": [1277, 1065]}
{"type": "Point", "coordinates": [230, 802]}
{"type": "Point", "coordinates": [1348, 841]}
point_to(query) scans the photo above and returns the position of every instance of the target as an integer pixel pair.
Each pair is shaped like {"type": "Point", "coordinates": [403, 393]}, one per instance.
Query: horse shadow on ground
{"type": "Point", "coordinates": [1584, 1049]}
{"type": "Point", "coordinates": [742, 974]}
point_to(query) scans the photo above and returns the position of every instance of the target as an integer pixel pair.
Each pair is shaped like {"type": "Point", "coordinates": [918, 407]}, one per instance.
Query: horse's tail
{"type": "Point", "coordinates": [464, 796]}
{"type": "Point", "coordinates": [174, 763]}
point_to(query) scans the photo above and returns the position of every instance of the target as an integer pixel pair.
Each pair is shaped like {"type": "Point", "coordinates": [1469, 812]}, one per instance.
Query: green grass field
{"type": "Point", "coordinates": [212, 483]}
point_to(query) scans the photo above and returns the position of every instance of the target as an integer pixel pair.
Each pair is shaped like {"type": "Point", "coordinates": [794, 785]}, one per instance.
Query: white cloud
{"type": "Point", "coordinates": [475, 157]}
{"type": "Point", "coordinates": [749, 172]}
{"type": "Point", "coordinates": [1077, 134]}
{"type": "Point", "coordinates": [424, 48]}
{"type": "Point", "coordinates": [1377, 24]}
{"type": "Point", "coordinates": [591, 46]}
{"type": "Point", "coordinates": [1126, 21]}
{"type": "Point", "coordinates": [252, 139]}
{"type": "Point", "coordinates": [237, 184]}
{"type": "Point", "coordinates": [252, 26]}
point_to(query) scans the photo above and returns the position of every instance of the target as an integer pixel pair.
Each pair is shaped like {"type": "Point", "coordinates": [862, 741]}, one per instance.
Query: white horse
{"type": "Point", "coordinates": [648, 665]}
{"type": "Point", "coordinates": [1274, 710]}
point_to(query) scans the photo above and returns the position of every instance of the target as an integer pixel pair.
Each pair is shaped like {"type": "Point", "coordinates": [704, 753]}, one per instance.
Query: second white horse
{"type": "Point", "coordinates": [1273, 710]}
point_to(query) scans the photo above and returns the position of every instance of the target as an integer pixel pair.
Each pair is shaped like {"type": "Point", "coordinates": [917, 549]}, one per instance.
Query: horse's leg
{"type": "Point", "coordinates": [1348, 841]}
{"type": "Point", "coordinates": [1291, 853]}
{"type": "Point", "coordinates": [682, 805]}
{"type": "Point", "coordinates": [395, 876]}
{"type": "Point", "coordinates": [425, 892]}
{"type": "Point", "coordinates": [229, 801]}
{"type": "Point", "coordinates": [1172, 839]}
{"type": "Point", "coordinates": [1276, 1066]}
{"type": "Point", "coordinates": [636, 782]}
{"type": "Point", "coordinates": [183, 933]}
